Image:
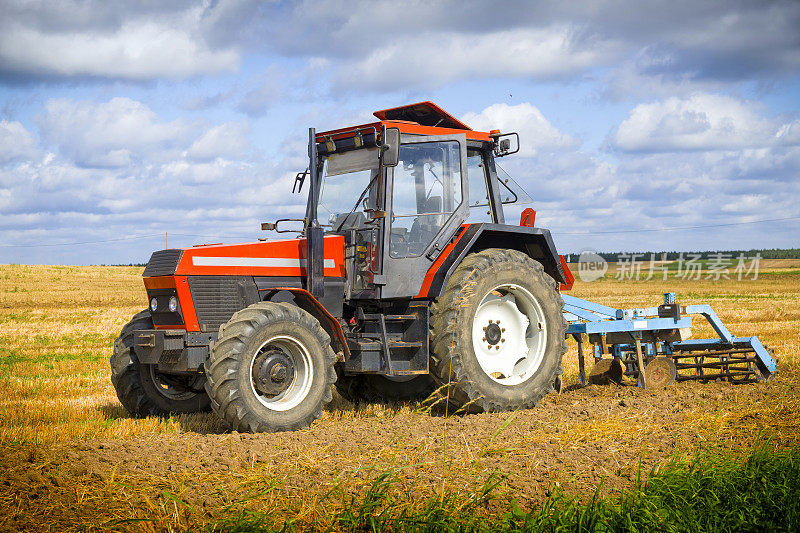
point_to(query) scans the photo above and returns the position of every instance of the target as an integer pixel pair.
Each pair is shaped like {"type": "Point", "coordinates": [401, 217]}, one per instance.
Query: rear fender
{"type": "Point", "coordinates": [534, 242]}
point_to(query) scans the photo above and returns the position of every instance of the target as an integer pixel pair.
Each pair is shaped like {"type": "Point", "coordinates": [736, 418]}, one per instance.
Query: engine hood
{"type": "Point", "coordinates": [269, 258]}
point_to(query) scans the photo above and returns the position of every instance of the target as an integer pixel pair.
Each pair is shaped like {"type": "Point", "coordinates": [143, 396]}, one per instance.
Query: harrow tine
{"type": "Point", "coordinates": [739, 365]}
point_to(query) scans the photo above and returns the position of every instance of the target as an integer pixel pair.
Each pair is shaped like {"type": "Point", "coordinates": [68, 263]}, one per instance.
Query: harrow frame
{"type": "Point", "coordinates": [636, 337]}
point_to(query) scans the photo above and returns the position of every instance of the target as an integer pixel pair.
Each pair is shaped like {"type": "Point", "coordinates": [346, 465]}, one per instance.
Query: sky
{"type": "Point", "coordinates": [129, 126]}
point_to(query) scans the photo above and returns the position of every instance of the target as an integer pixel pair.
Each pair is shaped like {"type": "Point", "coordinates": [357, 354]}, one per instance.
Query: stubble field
{"type": "Point", "coordinates": [72, 458]}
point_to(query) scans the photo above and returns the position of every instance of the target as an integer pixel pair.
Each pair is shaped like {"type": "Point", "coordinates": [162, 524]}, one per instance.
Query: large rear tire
{"type": "Point", "coordinates": [142, 389]}
{"type": "Point", "coordinates": [270, 369]}
{"type": "Point", "coordinates": [498, 332]}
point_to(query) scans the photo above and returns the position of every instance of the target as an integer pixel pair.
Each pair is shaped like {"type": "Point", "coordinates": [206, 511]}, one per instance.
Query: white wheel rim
{"type": "Point", "coordinates": [513, 313]}
{"type": "Point", "coordinates": [303, 373]}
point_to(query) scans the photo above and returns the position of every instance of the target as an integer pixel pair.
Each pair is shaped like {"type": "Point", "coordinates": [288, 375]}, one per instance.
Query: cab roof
{"type": "Point", "coordinates": [422, 118]}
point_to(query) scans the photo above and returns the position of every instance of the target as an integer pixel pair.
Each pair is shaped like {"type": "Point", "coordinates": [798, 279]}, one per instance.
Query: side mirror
{"type": "Point", "coordinates": [391, 147]}
{"type": "Point", "coordinates": [503, 145]}
{"type": "Point", "coordinates": [275, 226]}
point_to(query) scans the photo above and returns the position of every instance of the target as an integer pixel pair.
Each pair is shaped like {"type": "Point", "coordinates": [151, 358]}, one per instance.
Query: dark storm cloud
{"type": "Point", "coordinates": [678, 40]}
{"type": "Point", "coordinates": [147, 40]}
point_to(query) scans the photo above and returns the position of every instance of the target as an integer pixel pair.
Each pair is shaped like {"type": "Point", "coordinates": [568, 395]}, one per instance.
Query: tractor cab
{"type": "Point", "coordinates": [401, 189]}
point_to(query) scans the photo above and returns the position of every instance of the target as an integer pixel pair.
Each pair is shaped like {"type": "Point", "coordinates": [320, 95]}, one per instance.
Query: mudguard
{"type": "Point", "coordinates": [535, 242]}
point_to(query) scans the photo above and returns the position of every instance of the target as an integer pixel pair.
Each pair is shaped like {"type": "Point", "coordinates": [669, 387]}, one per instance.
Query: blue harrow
{"type": "Point", "coordinates": [657, 340]}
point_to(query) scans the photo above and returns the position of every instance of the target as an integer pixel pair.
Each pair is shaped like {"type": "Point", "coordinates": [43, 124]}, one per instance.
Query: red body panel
{"type": "Point", "coordinates": [404, 127]}
{"type": "Point", "coordinates": [270, 258]}
{"type": "Point", "coordinates": [409, 127]}
{"type": "Point", "coordinates": [426, 283]}
{"type": "Point", "coordinates": [181, 286]}
{"type": "Point", "coordinates": [567, 274]}
{"type": "Point", "coordinates": [454, 126]}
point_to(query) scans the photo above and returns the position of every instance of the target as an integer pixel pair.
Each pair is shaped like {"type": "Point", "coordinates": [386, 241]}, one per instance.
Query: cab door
{"type": "Point", "coordinates": [426, 202]}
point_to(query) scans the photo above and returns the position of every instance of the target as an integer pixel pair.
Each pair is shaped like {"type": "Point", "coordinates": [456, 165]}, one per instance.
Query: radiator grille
{"type": "Point", "coordinates": [216, 298]}
{"type": "Point", "coordinates": [163, 263]}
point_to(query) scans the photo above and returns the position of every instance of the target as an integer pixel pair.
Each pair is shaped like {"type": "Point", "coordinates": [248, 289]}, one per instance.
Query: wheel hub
{"type": "Point", "coordinates": [273, 372]}
{"type": "Point", "coordinates": [493, 333]}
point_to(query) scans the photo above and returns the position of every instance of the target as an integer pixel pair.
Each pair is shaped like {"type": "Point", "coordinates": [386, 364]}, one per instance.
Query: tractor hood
{"type": "Point", "coordinates": [269, 258]}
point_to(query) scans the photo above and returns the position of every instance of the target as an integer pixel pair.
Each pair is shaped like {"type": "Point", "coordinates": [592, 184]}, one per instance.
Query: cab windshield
{"type": "Point", "coordinates": [348, 181]}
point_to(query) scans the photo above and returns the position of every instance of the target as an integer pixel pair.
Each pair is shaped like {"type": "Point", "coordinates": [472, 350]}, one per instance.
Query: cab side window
{"type": "Point", "coordinates": [426, 191]}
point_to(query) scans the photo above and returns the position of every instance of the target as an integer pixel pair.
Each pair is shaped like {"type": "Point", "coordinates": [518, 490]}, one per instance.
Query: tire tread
{"type": "Point", "coordinates": [446, 364]}
{"type": "Point", "coordinates": [228, 350]}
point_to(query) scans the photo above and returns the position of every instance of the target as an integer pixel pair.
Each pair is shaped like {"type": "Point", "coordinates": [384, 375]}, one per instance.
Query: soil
{"type": "Point", "coordinates": [578, 439]}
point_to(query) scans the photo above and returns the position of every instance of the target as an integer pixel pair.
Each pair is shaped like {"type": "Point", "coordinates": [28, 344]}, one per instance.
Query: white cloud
{"type": "Point", "coordinates": [434, 58]}
{"type": "Point", "coordinates": [201, 182]}
{"type": "Point", "coordinates": [535, 131]}
{"type": "Point", "coordinates": [266, 90]}
{"type": "Point", "coordinates": [16, 142]}
{"type": "Point", "coordinates": [47, 40]}
{"type": "Point", "coordinates": [701, 122]}
{"type": "Point", "coordinates": [227, 140]}
{"type": "Point", "coordinates": [111, 134]}
{"type": "Point", "coordinates": [429, 44]}
{"type": "Point", "coordinates": [575, 191]}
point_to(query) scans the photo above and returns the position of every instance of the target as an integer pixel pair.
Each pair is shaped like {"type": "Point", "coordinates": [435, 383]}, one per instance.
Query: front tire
{"type": "Point", "coordinates": [142, 389]}
{"type": "Point", "coordinates": [270, 369]}
{"type": "Point", "coordinates": [498, 332]}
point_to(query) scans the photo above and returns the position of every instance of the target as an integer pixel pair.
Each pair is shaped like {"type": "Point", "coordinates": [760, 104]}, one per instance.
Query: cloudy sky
{"type": "Point", "coordinates": [120, 121]}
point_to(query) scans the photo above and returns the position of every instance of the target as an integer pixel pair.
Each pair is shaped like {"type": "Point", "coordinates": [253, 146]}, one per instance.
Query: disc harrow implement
{"type": "Point", "coordinates": [653, 346]}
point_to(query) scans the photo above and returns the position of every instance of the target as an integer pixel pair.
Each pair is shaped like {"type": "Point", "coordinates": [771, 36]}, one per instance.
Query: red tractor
{"type": "Point", "coordinates": [405, 277]}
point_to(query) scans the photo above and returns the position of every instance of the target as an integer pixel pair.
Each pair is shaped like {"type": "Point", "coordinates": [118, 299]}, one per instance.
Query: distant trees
{"type": "Point", "coordinates": [771, 253]}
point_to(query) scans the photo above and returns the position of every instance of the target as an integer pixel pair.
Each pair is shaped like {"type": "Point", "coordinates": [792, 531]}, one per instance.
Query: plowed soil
{"type": "Point", "coordinates": [71, 458]}
{"type": "Point", "coordinates": [577, 440]}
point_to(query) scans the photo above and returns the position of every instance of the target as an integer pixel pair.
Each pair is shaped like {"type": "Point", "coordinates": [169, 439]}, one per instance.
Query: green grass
{"type": "Point", "coordinates": [712, 492]}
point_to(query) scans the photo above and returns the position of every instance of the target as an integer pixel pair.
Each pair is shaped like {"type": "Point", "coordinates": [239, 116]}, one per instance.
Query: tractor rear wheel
{"type": "Point", "coordinates": [498, 332]}
{"type": "Point", "coordinates": [270, 369]}
{"type": "Point", "coordinates": [373, 388]}
{"type": "Point", "coordinates": [142, 389]}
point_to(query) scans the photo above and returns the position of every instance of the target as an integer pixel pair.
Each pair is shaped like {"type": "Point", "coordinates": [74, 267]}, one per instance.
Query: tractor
{"type": "Point", "coordinates": [405, 277]}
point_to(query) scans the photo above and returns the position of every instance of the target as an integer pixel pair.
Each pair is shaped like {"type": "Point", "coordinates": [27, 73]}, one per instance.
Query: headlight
{"type": "Point", "coordinates": [153, 305]}
{"type": "Point", "coordinates": [173, 304]}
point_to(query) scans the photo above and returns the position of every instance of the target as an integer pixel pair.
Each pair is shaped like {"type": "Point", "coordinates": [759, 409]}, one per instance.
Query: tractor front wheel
{"type": "Point", "coordinates": [271, 369]}
{"type": "Point", "coordinates": [142, 389]}
{"type": "Point", "coordinates": [498, 332]}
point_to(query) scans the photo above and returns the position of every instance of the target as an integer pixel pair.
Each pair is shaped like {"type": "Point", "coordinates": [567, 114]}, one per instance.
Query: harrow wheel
{"type": "Point", "coordinates": [605, 371]}
{"type": "Point", "coordinates": [660, 372]}
{"type": "Point", "coordinates": [732, 364]}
